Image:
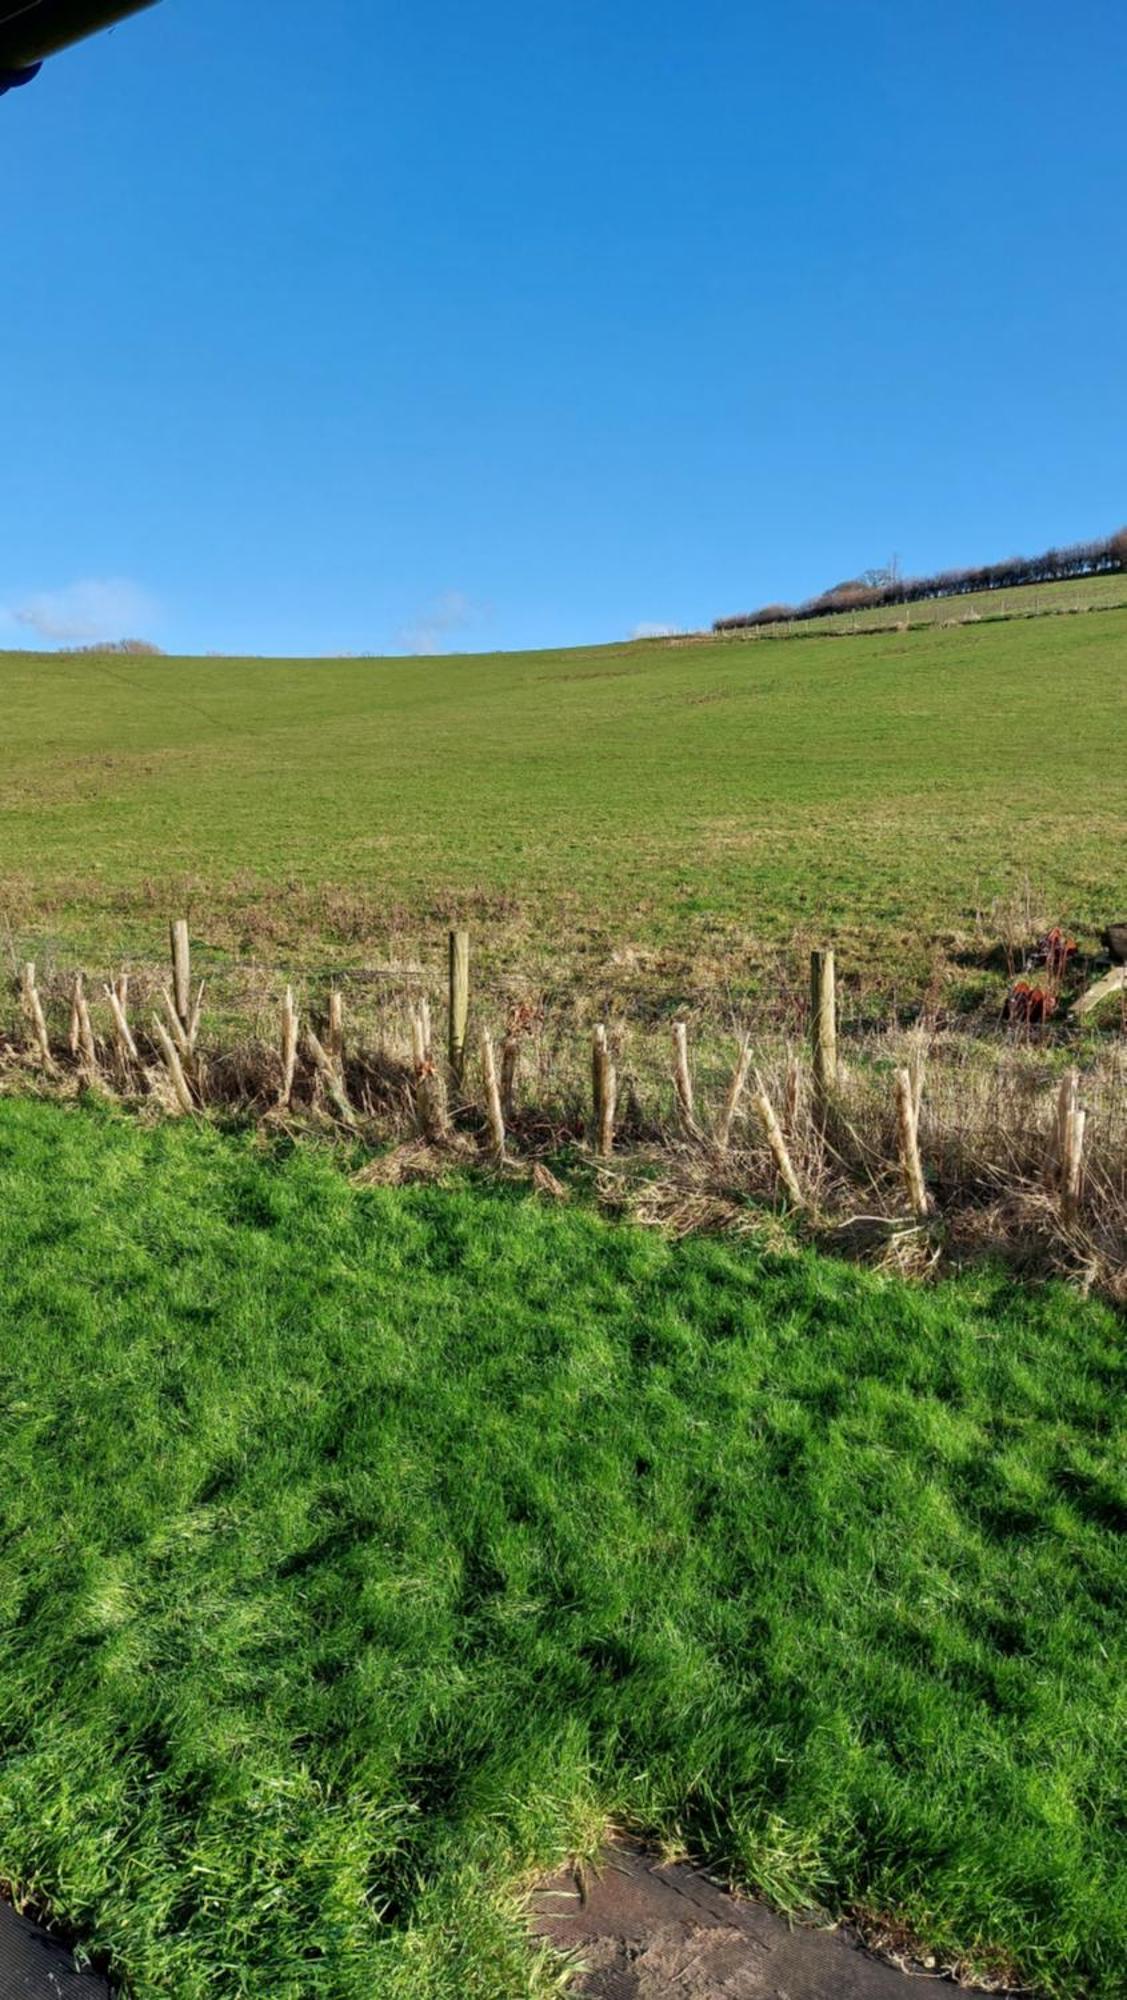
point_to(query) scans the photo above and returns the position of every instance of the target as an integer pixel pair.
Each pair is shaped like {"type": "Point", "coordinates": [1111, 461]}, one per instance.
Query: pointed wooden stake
{"type": "Point", "coordinates": [1074, 1123]}
{"type": "Point", "coordinates": [683, 1079]}
{"type": "Point", "coordinates": [909, 1145]}
{"type": "Point", "coordinates": [33, 1010]}
{"type": "Point", "coordinates": [194, 1023]}
{"type": "Point", "coordinates": [732, 1101]}
{"type": "Point", "coordinates": [336, 1027]}
{"type": "Point", "coordinates": [510, 1071]}
{"type": "Point", "coordinates": [510, 1064]}
{"type": "Point", "coordinates": [420, 1053]}
{"type": "Point", "coordinates": [173, 1065]}
{"type": "Point", "coordinates": [823, 1026]}
{"type": "Point", "coordinates": [117, 995]}
{"type": "Point", "coordinates": [917, 1069]}
{"type": "Point", "coordinates": [73, 1037]}
{"type": "Point", "coordinates": [87, 1048]}
{"type": "Point", "coordinates": [289, 1048]}
{"type": "Point", "coordinates": [431, 1109]}
{"type": "Point", "coordinates": [492, 1097]}
{"type": "Point", "coordinates": [1068, 1098]}
{"type": "Point", "coordinates": [178, 1026]}
{"type": "Point", "coordinates": [459, 1001]}
{"type": "Point", "coordinates": [793, 1096]}
{"type": "Point", "coordinates": [181, 971]}
{"type": "Point", "coordinates": [605, 1092]}
{"type": "Point", "coordinates": [772, 1132]}
{"type": "Point", "coordinates": [326, 1070]}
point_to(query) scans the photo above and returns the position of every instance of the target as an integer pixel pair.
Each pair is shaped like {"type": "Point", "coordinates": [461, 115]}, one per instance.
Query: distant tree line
{"type": "Point", "coordinates": [877, 589]}
{"type": "Point", "coordinates": [142, 647]}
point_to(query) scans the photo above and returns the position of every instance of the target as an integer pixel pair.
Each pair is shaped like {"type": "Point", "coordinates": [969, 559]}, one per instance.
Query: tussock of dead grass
{"type": "Point", "coordinates": [414, 1161]}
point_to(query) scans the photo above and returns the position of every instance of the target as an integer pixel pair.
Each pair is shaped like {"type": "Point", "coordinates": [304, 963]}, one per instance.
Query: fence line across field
{"type": "Point", "coordinates": [446, 1103]}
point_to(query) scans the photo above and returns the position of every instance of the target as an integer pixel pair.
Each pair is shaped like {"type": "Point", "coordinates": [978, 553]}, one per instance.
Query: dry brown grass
{"type": "Point", "coordinates": [987, 1118]}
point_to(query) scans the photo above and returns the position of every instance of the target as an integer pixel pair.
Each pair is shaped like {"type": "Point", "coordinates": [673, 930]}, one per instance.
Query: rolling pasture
{"type": "Point", "coordinates": [370, 1548]}
{"type": "Point", "coordinates": [1069, 598]}
{"type": "Point", "coordinates": [703, 803]}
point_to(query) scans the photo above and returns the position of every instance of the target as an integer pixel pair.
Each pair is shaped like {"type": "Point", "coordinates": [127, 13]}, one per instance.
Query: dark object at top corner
{"type": "Point", "coordinates": [31, 30]}
{"type": "Point", "coordinates": [14, 79]}
{"type": "Point", "coordinates": [1115, 941]}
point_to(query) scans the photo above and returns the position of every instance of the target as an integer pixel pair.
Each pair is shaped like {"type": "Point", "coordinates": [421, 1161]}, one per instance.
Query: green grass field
{"type": "Point", "coordinates": [706, 802]}
{"type": "Point", "coordinates": [363, 1551]}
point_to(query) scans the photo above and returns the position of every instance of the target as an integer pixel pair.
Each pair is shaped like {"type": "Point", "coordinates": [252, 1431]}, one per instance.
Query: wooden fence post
{"type": "Point", "coordinates": [73, 1038]}
{"type": "Point", "coordinates": [492, 1097]}
{"type": "Point", "coordinates": [336, 1026]}
{"type": "Point", "coordinates": [683, 1078]}
{"type": "Point", "coordinates": [330, 1077]}
{"type": "Point", "coordinates": [289, 1048]}
{"type": "Point", "coordinates": [178, 1026]}
{"type": "Point", "coordinates": [510, 1063]}
{"type": "Point", "coordinates": [792, 1094]}
{"type": "Point", "coordinates": [731, 1102]}
{"type": "Point", "coordinates": [173, 1065]}
{"type": "Point", "coordinates": [87, 1047]}
{"type": "Point", "coordinates": [194, 1023]}
{"type": "Point", "coordinates": [1074, 1165]}
{"type": "Point", "coordinates": [182, 972]}
{"type": "Point", "coordinates": [823, 1025]}
{"type": "Point", "coordinates": [459, 1001]}
{"type": "Point", "coordinates": [604, 1092]}
{"type": "Point", "coordinates": [909, 1144]}
{"type": "Point", "coordinates": [1071, 1123]}
{"type": "Point", "coordinates": [117, 995]}
{"type": "Point", "coordinates": [33, 1009]}
{"type": "Point", "coordinates": [772, 1132]}
{"type": "Point", "coordinates": [430, 1096]}
{"type": "Point", "coordinates": [1068, 1097]}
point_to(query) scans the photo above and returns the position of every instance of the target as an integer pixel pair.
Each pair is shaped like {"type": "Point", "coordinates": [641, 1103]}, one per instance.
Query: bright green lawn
{"type": "Point", "coordinates": [360, 1550]}
{"type": "Point", "coordinates": [880, 790]}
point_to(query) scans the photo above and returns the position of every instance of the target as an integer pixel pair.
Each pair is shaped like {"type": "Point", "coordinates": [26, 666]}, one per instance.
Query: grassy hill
{"type": "Point", "coordinates": [1082, 593]}
{"type": "Point", "coordinates": [714, 798]}
{"type": "Point", "coordinates": [366, 1549]}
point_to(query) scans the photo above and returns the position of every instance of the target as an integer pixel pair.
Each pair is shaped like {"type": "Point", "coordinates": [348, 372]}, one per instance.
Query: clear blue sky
{"type": "Point", "coordinates": [356, 327]}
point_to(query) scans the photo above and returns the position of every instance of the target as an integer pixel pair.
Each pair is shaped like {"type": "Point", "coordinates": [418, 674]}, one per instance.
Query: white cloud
{"type": "Point", "coordinates": [437, 623]}
{"type": "Point", "coordinates": [651, 629]}
{"type": "Point", "coordinates": [95, 608]}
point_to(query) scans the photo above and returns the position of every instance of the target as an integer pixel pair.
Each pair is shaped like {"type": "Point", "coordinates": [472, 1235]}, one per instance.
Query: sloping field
{"type": "Point", "coordinates": [1079, 594]}
{"type": "Point", "coordinates": [363, 1551]}
{"type": "Point", "coordinates": [710, 798]}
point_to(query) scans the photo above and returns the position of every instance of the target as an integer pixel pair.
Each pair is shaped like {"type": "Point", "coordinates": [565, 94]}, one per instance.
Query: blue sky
{"type": "Point", "coordinates": [353, 327]}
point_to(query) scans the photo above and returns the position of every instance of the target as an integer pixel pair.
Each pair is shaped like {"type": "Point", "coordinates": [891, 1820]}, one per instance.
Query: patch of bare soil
{"type": "Point", "coordinates": [641, 1930]}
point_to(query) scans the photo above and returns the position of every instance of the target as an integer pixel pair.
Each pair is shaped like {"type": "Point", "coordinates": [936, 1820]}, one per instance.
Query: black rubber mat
{"type": "Point", "coordinates": [34, 1966]}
